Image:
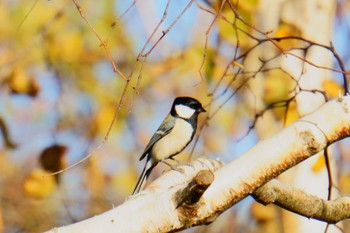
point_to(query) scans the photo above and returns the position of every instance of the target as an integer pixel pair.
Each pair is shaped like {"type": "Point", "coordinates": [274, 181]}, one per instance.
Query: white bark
{"type": "Point", "coordinates": [314, 19]}
{"type": "Point", "coordinates": [154, 210]}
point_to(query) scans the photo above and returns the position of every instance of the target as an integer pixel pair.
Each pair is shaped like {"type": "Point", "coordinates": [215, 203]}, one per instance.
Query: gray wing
{"type": "Point", "coordinates": [165, 128]}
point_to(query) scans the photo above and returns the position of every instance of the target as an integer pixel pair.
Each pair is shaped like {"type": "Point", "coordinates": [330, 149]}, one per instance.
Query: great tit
{"type": "Point", "coordinates": [172, 136]}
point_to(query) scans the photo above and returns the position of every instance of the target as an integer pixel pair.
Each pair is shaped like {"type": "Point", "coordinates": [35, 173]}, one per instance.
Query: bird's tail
{"type": "Point", "coordinates": [144, 176]}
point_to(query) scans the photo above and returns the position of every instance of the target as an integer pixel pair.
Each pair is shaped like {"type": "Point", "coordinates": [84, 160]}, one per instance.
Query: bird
{"type": "Point", "coordinates": [172, 137]}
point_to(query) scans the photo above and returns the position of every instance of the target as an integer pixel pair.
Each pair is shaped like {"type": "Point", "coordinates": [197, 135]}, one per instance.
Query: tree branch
{"type": "Point", "coordinates": [155, 209]}
{"type": "Point", "coordinates": [300, 202]}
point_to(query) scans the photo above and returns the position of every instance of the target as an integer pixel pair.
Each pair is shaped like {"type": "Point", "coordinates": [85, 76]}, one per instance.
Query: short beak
{"type": "Point", "coordinates": [202, 110]}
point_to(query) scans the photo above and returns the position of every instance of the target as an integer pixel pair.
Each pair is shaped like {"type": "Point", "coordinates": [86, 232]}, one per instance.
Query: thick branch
{"type": "Point", "coordinates": [300, 202]}
{"type": "Point", "coordinates": [155, 210]}
{"type": "Point", "coordinates": [271, 157]}
{"type": "Point", "coordinates": [148, 210]}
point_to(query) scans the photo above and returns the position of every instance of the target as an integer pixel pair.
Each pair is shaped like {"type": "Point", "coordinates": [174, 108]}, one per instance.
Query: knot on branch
{"type": "Point", "coordinates": [311, 143]}
{"type": "Point", "coordinates": [191, 194]}
{"type": "Point", "coordinates": [188, 198]}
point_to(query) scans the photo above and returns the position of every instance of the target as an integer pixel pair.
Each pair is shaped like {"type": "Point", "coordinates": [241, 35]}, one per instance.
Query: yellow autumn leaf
{"type": "Point", "coordinates": [292, 113]}
{"type": "Point", "coordinates": [344, 182]}
{"type": "Point", "coordinates": [66, 47]}
{"type": "Point", "coordinates": [263, 213]}
{"type": "Point", "coordinates": [105, 116]}
{"type": "Point", "coordinates": [277, 86]}
{"type": "Point", "coordinates": [95, 177]}
{"type": "Point", "coordinates": [39, 184]}
{"type": "Point", "coordinates": [226, 29]}
{"type": "Point", "coordinates": [285, 30]}
{"type": "Point", "coordinates": [125, 181]}
{"type": "Point", "coordinates": [22, 83]}
{"type": "Point", "coordinates": [332, 88]}
{"type": "Point", "coordinates": [236, 63]}
{"type": "Point", "coordinates": [319, 164]}
{"type": "Point", "coordinates": [230, 27]}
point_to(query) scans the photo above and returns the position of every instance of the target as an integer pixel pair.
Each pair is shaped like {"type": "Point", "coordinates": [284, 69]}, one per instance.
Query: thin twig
{"type": "Point", "coordinates": [329, 172]}
{"type": "Point", "coordinates": [166, 31]}
{"type": "Point", "coordinates": [165, 13]}
{"type": "Point", "coordinates": [27, 15]}
{"type": "Point", "coordinates": [103, 43]}
{"type": "Point", "coordinates": [207, 38]}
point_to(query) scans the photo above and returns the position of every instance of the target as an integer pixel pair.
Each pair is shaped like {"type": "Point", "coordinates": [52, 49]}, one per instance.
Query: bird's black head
{"type": "Point", "coordinates": [186, 107]}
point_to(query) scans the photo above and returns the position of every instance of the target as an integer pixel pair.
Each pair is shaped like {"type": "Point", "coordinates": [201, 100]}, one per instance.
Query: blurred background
{"type": "Point", "coordinates": [59, 95]}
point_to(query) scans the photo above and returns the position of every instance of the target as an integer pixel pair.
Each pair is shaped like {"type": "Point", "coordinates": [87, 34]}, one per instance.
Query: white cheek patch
{"type": "Point", "coordinates": [184, 111]}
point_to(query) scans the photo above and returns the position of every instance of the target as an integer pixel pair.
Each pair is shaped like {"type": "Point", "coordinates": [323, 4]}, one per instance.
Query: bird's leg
{"type": "Point", "coordinates": [168, 164]}
{"type": "Point", "coordinates": [174, 167]}
{"type": "Point", "coordinates": [179, 163]}
{"type": "Point", "coordinates": [182, 162]}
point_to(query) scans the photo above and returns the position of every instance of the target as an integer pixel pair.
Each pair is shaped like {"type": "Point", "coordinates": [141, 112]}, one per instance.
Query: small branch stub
{"type": "Point", "coordinates": [191, 194]}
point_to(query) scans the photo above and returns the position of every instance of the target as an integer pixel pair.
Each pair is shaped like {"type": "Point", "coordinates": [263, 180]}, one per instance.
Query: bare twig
{"type": "Point", "coordinates": [207, 37]}
{"type": "Point", "coordinates": [164, 32]}
{"type": "Point", "coordinates": [103, 43]}
{"type": "Point", "coordinates": [329, 172]}
{"type": "Point", "coordinates": [165, 13]}
{"type": "Point", "coordinates": [27, 15]}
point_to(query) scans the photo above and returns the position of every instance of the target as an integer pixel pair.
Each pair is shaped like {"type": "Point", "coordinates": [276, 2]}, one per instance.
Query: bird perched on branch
{"type": "Point", "coordinates": [172, 136]}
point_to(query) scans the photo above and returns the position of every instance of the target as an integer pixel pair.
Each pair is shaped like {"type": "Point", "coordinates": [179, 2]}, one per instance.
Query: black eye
{"type": "Point", "coordinates": [194, 105]}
